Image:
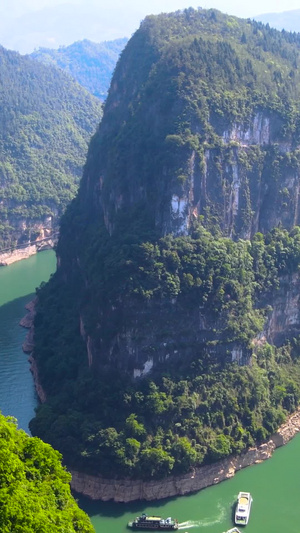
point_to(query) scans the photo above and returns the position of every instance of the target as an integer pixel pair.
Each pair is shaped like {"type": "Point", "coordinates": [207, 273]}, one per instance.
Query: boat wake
{"type": "Point", "coordinates": [188, 524]}
{"type": "Point", "coordinates": [205, 522]}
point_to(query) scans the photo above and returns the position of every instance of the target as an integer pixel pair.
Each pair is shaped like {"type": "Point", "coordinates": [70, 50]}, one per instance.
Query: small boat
{"type": "Point", "coordinates": [233, 530]}
{"type": "Point", "coordinates": [243, 508]}
{"type": "Point", "coordinates": [153, 522]}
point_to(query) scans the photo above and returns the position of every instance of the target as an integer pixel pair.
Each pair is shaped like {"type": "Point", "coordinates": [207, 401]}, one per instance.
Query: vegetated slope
{"type": "Point", "coordinates": [35, 491]}
{"type": "Point", "coordinates": [178, 273]}
{"type": "Point", "coordinates": [91, 64]}
{"type": "Point", "coordinates": [287, 20]}
{"type": "Point", "coordinates": [47, 120]}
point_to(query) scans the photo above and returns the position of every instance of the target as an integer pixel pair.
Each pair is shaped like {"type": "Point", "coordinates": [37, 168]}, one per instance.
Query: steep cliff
{"type": "Point", "coordinates": [201, 125]}
{"type": "Point", "coordinates": [178, 260]}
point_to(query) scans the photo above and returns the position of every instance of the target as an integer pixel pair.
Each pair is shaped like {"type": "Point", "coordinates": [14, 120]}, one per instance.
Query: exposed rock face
{"type": "Point", "coordinates": [152, 335]}
{"type": "Point", "coordinates": [32, 237]}
{"type": "Point", "coordinates": [177, 154]}
{"type": "Point", "coordinates": [225, 184]}
{"type": "Point", "coordinates": [284, 319]}
{"type": "Point", "coordinates": [28, 322]}
{"type": "Point", "coordinates": [98, 488]}
{"type": "Point", "coordinates": [7, 258]}
{"type": "Point", "coordinates": [28, 345]}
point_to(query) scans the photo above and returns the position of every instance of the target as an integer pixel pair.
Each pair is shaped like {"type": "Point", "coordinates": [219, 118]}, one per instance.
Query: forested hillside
{"type": "Point", "coordinates": [35, 491]}
{"type": "Point", "coordinates": [91, 64]}
{"type": "Point", "coordinates": [47, 120]}
{"type": "Point", "coordinates": [178, 298]}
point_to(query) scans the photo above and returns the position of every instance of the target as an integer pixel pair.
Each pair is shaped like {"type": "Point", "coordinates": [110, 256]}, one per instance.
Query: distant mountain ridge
{"type": "Point", "coordinates": [46, 122]}
{"type": "Point", "coordinates": [91, 64]}
{"type": "Point", "coordinates": [287, 20]}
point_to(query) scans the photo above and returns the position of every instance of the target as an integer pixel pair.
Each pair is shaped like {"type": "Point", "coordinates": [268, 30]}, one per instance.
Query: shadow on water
{"type": "Point", "coordinates": [112, 509]}
{"type": "Point", "coordinates": [17, 393]}
{"type": "Point", "coordinates": [104, 511]}
{"type": "Point", "coordinates": [12, 312]}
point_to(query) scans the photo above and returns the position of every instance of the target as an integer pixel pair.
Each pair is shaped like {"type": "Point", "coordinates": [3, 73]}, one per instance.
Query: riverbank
{"type": "Point", "coordinates": [28, 345]}
{"type": "Point", "coordinates": [8, 258]}
{"type": "Point", "coordinates": [127, 490]}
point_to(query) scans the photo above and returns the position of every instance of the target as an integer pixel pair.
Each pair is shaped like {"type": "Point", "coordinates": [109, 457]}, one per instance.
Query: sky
{"type": "Point", "coordinates": [26, 25]}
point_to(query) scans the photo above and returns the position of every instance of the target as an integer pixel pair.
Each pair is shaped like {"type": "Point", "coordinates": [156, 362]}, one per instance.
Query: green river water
{"type": "Point", "coordinates": [274, 484]}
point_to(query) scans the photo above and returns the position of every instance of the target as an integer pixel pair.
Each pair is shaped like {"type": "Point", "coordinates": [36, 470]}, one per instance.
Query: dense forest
{"type": "Point", "coordinates": [196, 407]}
{"type": "Point", "coordinates": [35, 491]}
{"type": "Point", "coordinates": [177, 255]}
{"type": "Point", "coordinates": [46, 123]}
{"type": "Point", "coordinates": [90, 64]}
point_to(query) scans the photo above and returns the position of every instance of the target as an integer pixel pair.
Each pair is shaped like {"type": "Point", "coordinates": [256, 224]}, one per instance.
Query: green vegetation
{"type": "Point", "coordinates": [203, 111]}
{"type": "Point", "coordinates": [35, 494]}
{"type": "Point", "coordinates": [194, 408]}
{"type": "Point", "coordinates": [91, 64]}
{"type": "Point", "coordinates": [46, 123]}
{"type": "Point", "coordinates": [184, 81]}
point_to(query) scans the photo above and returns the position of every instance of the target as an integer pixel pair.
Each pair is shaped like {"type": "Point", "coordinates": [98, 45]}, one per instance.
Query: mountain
{"type": "Point", "coordinates": [90, 64]}
{"type": "Point", "coordinates": [287, 20]}
{"type": "Point", "coordinates": [169, 335]}
{"type": "Point", "coordinates": [46, 123]}
{"type": "Point", "coordinates": [35, 488]}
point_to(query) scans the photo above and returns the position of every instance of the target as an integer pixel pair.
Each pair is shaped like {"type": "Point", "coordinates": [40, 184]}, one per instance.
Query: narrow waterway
{"type": "Point", "coordinates": [17, 287]}
{"type": "Point", "coordinates": [274, 484]}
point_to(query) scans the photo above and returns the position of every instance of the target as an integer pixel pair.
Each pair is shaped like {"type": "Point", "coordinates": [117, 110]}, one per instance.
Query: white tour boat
{"type": "Point", "coordinates": [243, 507]}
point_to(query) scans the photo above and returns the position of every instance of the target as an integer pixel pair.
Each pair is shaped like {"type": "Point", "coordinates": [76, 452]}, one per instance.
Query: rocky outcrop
{"type": "Point", "coordinates": [35, 373]}
{"type": "Point", "coordinates": [126, 490]}
{"type": "Point", "coordinates": [28, 322]}
{"type": "Point", "coordinates": [284, 319]}
{"type": "Point", "coordinates": [7, 258]}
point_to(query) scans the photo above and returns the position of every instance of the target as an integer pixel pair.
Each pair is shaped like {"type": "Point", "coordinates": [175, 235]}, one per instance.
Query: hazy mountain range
{"type": "Point", "coordinates": [64, 24]}
{"type": "Point", "coordinates": [91, 64]}
{"type": "Point", "coordinates": [25, 30]}
{"type": "Point", "coordinates": [288, 20]}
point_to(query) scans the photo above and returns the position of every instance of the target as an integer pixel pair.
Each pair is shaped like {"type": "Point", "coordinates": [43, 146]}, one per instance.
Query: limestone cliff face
{"type": "Point", "coordinates": [186, 136]}
{"type": "Point", "coordinates": [233, 185]}
{"type": "Point", "coordinates": [284, 318]}
{"type": "Point", "coordinates": [173, 144]}
{"type": "Point", "coordinates": [156, 334]}
{"type": "Point", "coordinates": [27, 231]}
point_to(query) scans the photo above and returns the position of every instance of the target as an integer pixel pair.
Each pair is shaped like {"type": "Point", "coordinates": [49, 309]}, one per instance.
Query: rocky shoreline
{"type": "Point", "coordinates": [128, 490]}
{"type": "Point", "coordinates": [28, 345]}
{"type": "Point", "coordinates": [8, 258]}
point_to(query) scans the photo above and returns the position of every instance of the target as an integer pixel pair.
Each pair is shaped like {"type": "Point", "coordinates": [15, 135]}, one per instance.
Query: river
{"type": "Point", "coordinates": [274, 484]}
